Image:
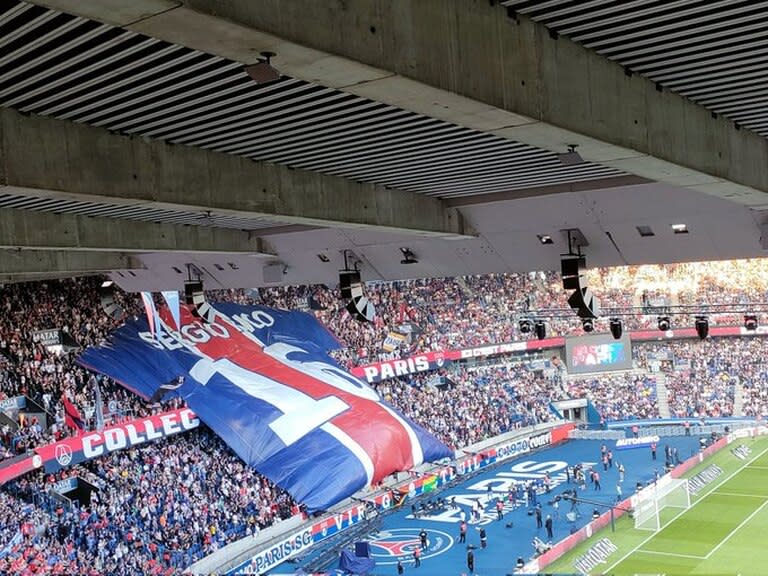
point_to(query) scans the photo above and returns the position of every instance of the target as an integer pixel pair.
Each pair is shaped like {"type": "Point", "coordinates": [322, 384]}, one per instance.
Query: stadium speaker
{"type": "Point", "coordinates": [588, 324]}
{"type": "Point", "coordinates": [194, 296]}
{"type": "Point", "coordinates": [702, 326]}
{"type": "Point", "coordinates": [193, 289]}
{"type": "Point", "coordinates": [107, 298]}
{"type": "Point", "coordinates": [525, 325]}
{"type": "Point", "coordinates": [361, 309]}
{"type": "Point", "coordinates": [349, 280]}
{"type": "Point", "coordinates": [573, 270]}
{"type": "Point", "coordinates": [585, 303]}
{"type": "Point", "coordinates": [664, 323]}
{"type": "Point", "coordinates": [750, 322]}
{"type": "Point", "coordinates": [617, 329]}
{"type": "Point", "coordinates": [541, 329]}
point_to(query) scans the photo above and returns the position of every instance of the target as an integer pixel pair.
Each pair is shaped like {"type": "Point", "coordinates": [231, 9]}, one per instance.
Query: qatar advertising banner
{"type": "Point", "coordinates": [263, 380]}
{"type": "Point", "coordinates": [77, 449]}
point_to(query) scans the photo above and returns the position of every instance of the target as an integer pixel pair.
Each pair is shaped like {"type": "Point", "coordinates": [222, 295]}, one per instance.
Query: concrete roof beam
{"type": "Point", "coordinates": [469, 63]}
{"type": "Point", "coordinates": [61, 159]}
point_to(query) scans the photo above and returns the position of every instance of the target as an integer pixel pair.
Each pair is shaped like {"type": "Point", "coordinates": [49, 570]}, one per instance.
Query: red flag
{"type": "Point", "coordinates": [72, 416]}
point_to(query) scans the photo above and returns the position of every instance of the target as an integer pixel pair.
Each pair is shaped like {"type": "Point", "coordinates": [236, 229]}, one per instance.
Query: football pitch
{"type": "Point", "coordinates": [725, 531]}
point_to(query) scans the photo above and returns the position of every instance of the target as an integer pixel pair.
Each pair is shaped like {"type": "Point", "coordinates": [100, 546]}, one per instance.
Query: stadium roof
{"type": "Point", "coordinates": [134, 140]}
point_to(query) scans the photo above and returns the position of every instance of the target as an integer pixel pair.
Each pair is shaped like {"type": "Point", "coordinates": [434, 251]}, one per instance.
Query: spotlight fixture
{"type": "Point", "coordinates": [750, 322]}
{"type": "Point", "coordinates": [571, 157]}
{"type": "Point", "coordinates": [679, 228]}
{"type": "Point", "coordinates": [263, 72]}
{"type": "Point", "coordinates": [702, 326]}
{"type": "Point", "coordinates": [409, 256]}
{"type": "Point", "coordinates": [617, 329]}
{"type": "Point", "coordinates": [545, 238]}
{"type": "Point", "coordinates": [664, 323]}
{"type": "Point", "coordinates": [541, 329]}
{"type": "Point", "coordinates": [588, 324]}
{"type": "Point", "coordinates": [525, 325]}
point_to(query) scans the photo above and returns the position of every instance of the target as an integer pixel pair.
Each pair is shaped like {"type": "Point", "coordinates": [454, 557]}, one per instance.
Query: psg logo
{"type": "Point", "coordinates": [63, 454]}
{"type": "Point", "coordinates": [399, 543]}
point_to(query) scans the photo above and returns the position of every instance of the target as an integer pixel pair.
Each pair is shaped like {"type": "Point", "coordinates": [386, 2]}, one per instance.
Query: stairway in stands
{"type": "Point", "coordinates": [738, 398]}
{"type": "Point", "coordinates": [662, 395]}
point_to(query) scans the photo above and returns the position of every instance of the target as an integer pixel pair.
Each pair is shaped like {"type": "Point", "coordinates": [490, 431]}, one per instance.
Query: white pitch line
{"type": "Point", "coordinates": [757, 467]}
{"type": "Point", "coordinates": [732, 532]}
{"type": "Point", "coordinates": [672, 554]}
{"type": "Point", "coordinates": [652, 536]}
{"type": "Point", "coordinates": [761, 496]}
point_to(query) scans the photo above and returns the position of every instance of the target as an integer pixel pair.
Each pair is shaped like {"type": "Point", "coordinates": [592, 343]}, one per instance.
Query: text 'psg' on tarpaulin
{"type": "Point", "coordinates": [262, 380]}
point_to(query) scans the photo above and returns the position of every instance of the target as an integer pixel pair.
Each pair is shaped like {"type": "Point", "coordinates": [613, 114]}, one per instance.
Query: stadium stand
{"type": "Point", "coordinates": [164, 505]}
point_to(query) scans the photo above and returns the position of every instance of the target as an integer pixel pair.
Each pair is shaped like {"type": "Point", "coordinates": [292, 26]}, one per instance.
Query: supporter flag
{"type": "Point", "coordinates": [393, 341]}
{"type": "Point", "coordinates": [12, 543]}
{"type": "Point", "coordinates": [72, 416]}
{"type": "Point", "coordinates": [152, 317]}
{"type": "Point", "coordinates": [430, 484]}
{"type": "Point", "coordinates": [262, 379]}
{"type": "Point", "coordinates": [171, 298]}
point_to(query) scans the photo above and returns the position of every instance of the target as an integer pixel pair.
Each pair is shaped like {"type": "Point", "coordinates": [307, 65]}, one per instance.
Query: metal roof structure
{"type": "Point", "coordinates": [713, 52]}
{"type": "Point", "coordinates": [132, 105]}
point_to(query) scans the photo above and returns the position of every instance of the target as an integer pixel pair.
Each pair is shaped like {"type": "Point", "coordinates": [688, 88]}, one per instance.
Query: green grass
{"type": "Point", "coordinates": [725, 531]}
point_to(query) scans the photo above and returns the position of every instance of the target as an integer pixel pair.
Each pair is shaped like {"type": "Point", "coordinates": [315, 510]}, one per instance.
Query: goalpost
{"type": "Point", "coordinates": [650, 501]}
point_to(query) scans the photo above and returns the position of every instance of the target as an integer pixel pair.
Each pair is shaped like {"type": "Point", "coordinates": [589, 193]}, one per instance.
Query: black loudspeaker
{"type": "Point", "coordinates": [193, 289]}
{"type": "Point", "coordinates": [702, 326]}
{"type": "Point", "coordinates": [349, 282]}
{"type": "Point", "coordinates": [585, 303]}
{"type": "Point", "coordinates": [360, 308]}
{"type": "Point", "coordinates": [541, 329]}
{"type": "Point", "coordinates": [194, 296]}
{"type": "Point", "coordinates": [616, 328]}
{"type": "Point", "coordinates": [750, 322]}
{"type": "Point", "coordinates": [573, 269]}
{"type": "Point", "coordinates": [108, 304]}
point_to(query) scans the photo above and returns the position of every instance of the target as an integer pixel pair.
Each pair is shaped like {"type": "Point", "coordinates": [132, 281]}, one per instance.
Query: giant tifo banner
{"type": "Point", "coordinates": [427, 361]}
{"type": "Point", "coordinates": [77, 449]}
{"type": "Point", "coordinates": [263, 381]}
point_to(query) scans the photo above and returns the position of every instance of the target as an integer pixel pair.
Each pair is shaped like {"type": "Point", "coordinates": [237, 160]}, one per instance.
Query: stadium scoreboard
{"type": "Point", "coordinates": [598, 353]}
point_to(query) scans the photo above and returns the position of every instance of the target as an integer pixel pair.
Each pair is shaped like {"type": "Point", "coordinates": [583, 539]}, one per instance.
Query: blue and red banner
{"type": "Point", "coordinates": [78, 449]}
{"type": "Point", "coordinates": [263, 381]}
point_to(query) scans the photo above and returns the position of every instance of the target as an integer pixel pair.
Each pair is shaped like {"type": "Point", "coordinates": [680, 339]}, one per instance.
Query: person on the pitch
{"type": "Point", "coordinates": [423, 538]}
{"type": "Point", "coordinates": [471, 561]}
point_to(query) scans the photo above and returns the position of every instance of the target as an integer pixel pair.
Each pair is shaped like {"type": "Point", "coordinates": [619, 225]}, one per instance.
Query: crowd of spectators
{"type": "Point", "coordinates": [157, 508]}
{"type": "Point", "coordinates": [462, 406]}
{"type": "Point", "coordinates": [445, 313]}
{"type": "Point", "coordinates": [161, 506]}
{"type": "Point", "coordinates": [618, 397]}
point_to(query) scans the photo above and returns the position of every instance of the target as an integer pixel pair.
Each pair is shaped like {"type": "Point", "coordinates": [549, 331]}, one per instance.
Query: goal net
{"type": "Point", "coordinates": [650, 501]}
